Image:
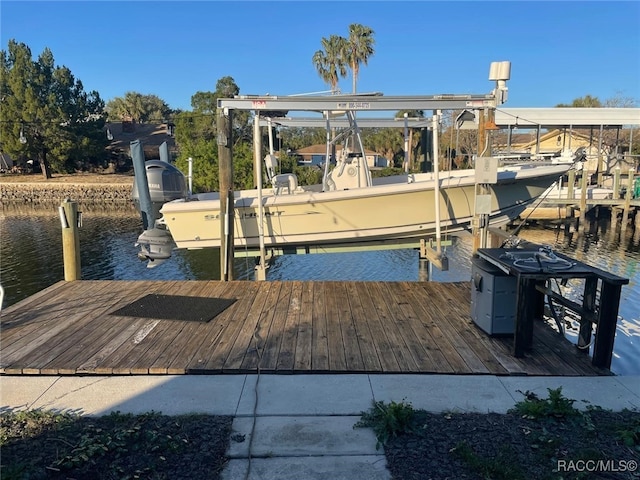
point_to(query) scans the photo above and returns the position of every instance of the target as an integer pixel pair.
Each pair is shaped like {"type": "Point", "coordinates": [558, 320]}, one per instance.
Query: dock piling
{"type": "Point", "coordinates": [70, 220]}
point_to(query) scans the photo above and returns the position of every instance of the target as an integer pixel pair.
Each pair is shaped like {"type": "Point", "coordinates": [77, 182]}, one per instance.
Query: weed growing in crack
{"type": "Point", "coordinates": [388, 420]}
{"type": "Point", "coordinates": [555, 406]}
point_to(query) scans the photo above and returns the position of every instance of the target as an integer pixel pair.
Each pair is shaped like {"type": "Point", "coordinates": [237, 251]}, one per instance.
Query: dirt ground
{"type": "Point", "coordinates": [76, 178]}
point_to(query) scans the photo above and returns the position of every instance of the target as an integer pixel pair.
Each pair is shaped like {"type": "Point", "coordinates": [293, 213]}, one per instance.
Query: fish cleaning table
{"type": "Point", "coordinates": [533, 269]}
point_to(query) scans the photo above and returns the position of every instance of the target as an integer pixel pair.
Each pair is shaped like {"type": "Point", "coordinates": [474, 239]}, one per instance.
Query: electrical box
{"type": "Point", "coordinates": [493, 298]}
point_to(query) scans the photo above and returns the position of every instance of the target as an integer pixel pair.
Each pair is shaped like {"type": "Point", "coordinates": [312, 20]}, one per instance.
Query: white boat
{"type": "Point", "coordinates": [392, 208]}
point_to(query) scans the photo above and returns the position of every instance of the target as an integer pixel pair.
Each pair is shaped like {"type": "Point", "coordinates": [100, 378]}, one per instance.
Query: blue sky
{"type": "Point", "coordinates": [559, 50]}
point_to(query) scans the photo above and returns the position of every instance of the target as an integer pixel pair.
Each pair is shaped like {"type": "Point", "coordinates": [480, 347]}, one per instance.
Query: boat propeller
{"type": "Point", "coordinates": [155, 246]}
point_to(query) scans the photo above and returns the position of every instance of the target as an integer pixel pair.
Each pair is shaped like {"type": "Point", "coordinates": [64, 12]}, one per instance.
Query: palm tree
{"type": "Point", "coordinates": [330, 61]}
{"type": "Point", "coordinates": [359, 48]}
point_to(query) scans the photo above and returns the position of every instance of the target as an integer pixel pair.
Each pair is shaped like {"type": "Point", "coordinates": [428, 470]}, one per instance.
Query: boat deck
{"type": "Point", "coordinates": [276, 327]}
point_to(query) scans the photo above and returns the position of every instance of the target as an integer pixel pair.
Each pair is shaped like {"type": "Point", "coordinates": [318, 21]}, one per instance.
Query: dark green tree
{"type": "Point", "coordinates": [138, 108]}
{"type": "Point", "coordinates": [196, 137]}
{"type": "Point", "coordinates": [46, 115]}
{"type": "Point", "coordinates": [587, 101]}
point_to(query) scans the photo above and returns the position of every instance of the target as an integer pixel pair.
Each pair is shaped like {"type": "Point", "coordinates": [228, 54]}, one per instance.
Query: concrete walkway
{"type": "Point", "coordinates": [302, 424]}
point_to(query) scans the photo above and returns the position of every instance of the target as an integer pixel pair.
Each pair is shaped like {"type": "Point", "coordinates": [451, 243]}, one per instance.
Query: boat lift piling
{"type": "Point", "coordinates": [261, 267]}
{"type": "Point", "coordinates": [436, 257]}
{"type": "Point", "coordinates": [225, 164]}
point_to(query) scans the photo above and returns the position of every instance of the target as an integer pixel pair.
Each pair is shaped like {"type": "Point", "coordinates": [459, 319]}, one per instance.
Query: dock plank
{"type": "Point", "coordinates": [335, 341]}
{"type": "Point", "coordinates": [431, 320]}
{"type": "Point", "coordinates": [218, 339]}
{"type": "Point", "coordinates": [406, 362]}
{"type": "Point", "coordinates": [245, 338]}
{"type": "Point", "coordinates": [304, 338]}
{"type": "Point", "coordinates": [458, 301]}
{"type": "Point", "coordinates": [383, 346]}
{"type": "Point", "coordinates": [184, 334]}
{"type": "Point", "coordinates": [366, 340]}
{"type": "Point", "coordinates": [416, 337]}
{"type": "Point", "coordinates": [259, 338]}
{"type": "Point", "coordinates": [291, 329]}
{"type": "Point", "coordinates": [107, 334]}
{"type": "Point", "coordinates": [184, 358]}
{"type": "Point", "coordinates": [155, 342]}
{"type": "Point", "coordinates": [351, 345]}
{"type": "Point", "coordinates": [446, 320]}
{"type": "Point", "coordinates": [320, 346]}
{"type": "Point", "coordinates": [63, 326]}
{"type": "Point", "coordinates": [276, 328]}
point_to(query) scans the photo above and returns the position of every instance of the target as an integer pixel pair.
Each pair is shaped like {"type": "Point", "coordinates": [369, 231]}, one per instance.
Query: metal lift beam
{"type": "Point", "coordinates": [357, 103]}
{"type": "Point", "coordinates": [320, 122]}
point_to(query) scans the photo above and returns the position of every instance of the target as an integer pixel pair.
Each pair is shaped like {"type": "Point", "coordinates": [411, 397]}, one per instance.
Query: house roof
{"type": "Point", "coordinates": [150, 134]}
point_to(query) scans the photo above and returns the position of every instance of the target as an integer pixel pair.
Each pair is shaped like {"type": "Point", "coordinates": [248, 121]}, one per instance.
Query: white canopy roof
{"type": "Point", "coordinates": [567, 117]}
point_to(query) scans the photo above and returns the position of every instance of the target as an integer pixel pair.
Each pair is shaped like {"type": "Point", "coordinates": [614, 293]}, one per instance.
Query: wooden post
{"type": "Point", "coordinates": [571, 183]}
{"type": "Point", "coordinates": [69, 218]}
{"type": "Point", "coordinates": [627, 204]}
{"type": "Point", "coordinates": [616, 184]}
{"type": "Point", "coordinates": [600, 158]}
{"type": "Point", "coordinates": [583, 198]}
{"type": "Point", "coordinates": [480, 222]}
{"type": "Point", "coordinates": [225, 165]}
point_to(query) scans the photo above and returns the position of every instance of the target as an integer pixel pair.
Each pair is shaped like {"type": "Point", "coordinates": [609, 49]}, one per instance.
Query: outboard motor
{"type": "Point", "coordinates": [156, 182]}
{"type": "Point", "coordinates": [165, 182]}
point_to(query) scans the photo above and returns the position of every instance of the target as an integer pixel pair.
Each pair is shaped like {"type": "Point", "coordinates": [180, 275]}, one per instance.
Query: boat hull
{"type": "Point", "coordinates": [391, 211]}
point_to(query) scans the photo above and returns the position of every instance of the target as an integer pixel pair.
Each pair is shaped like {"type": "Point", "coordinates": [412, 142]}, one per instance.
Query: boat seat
{"type": "Point", "coordinates": [284, 180]}
{"type": "Point", "coordinates": [279, 181]}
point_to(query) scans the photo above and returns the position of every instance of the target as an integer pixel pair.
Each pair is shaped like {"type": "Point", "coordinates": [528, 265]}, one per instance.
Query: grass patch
{"type": "Point", "coordinates": [500, 467]}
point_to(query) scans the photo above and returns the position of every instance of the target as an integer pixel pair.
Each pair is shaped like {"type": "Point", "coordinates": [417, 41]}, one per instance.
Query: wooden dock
{"type": "Point", "coordinates": [276, 327]}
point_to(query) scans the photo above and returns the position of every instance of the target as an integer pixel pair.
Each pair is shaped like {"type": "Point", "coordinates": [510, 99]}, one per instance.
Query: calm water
{"type": "Point", "coordinates": [31, 259]}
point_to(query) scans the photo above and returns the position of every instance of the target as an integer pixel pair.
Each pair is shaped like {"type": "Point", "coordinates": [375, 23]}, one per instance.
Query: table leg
{"type": "Point", "coordinates": [606, 329]}
{"type": "Point", "coordinates": [589, 305]}
{"type": "Point", "coordinates": [527, 306]}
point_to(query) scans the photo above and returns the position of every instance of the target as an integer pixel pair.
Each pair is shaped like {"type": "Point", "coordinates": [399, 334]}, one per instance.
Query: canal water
{"type": "Point", "coordinates": [31, 260]}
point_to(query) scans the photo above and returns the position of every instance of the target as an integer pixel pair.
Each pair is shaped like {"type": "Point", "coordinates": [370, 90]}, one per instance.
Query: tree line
{"type": "Point", "coordinates": [47, 117]}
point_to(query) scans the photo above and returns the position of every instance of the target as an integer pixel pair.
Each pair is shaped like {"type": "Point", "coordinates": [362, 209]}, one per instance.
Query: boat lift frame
{"type": "Point", "coordinates": [272, 108]}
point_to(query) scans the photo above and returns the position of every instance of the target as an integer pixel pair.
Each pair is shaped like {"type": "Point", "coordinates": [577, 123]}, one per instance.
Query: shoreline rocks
{"type": "Point", "coordinates": [39, 193]}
